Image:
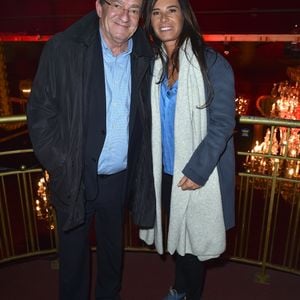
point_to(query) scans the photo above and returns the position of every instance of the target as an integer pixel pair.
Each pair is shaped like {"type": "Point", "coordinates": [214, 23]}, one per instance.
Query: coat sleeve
{"type": "Point", "coordinates": [43, 113]}
{"type": "Point", "coordinates": [220, 122]}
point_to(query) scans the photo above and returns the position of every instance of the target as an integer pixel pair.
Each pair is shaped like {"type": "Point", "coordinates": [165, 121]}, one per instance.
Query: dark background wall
{"type": "Point", "coordinates": [257, 65]}
{"type": "Point", "coordinates": [215, 16]}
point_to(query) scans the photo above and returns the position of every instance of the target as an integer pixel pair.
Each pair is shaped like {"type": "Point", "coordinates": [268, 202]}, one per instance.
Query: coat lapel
{"type": "Point", "coordinates": [95, 85]}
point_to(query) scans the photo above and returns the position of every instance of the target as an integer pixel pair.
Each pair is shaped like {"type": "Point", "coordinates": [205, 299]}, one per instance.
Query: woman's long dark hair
{"type": "Point", "coordinates": [190, 30]}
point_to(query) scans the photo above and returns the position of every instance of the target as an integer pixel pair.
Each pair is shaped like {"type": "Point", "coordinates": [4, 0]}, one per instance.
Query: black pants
{"type": "Point", "coordinates": [74, 248]}
{"type": "Point", "coordinates": [189, 270]}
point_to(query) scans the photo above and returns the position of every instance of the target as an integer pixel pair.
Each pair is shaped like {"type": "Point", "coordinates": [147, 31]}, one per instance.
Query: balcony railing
{"type": "Point", "coordinates": [267, 203]}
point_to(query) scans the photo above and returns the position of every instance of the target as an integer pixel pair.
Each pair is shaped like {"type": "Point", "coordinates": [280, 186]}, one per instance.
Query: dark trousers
{"type": "Point", "coordinates": [74, 249]}
{"type": "Point", "coordinates": [189, 270]}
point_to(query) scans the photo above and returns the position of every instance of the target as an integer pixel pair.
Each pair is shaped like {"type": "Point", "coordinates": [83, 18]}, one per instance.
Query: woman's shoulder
{"type": "Point", "coordinates": [215, 60]}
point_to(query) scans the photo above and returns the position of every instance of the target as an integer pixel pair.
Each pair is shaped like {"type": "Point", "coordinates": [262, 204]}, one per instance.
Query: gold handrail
{"type": "Point", "coordinates": [269, 121]}
{"type": "Point", "coordinates": [277, 193]}
{"type": "Point", "coordinates": [261, 200]}
{"type": "Point", "coordinates": [13, 119]}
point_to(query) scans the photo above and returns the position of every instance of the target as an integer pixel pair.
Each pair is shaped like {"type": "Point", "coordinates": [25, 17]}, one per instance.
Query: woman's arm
{"type": "Point", "coordinates": [220, 122]}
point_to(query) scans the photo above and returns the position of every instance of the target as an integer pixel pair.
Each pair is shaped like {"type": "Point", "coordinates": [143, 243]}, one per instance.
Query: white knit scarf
{"type": "Point", "coordinates": [196, 217]}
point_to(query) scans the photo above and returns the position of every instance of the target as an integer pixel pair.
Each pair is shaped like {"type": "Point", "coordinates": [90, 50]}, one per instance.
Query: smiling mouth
{"type": "Point", "coordinates": [165, 28]}
{"type": "Point", "coordinates": [121, 24]}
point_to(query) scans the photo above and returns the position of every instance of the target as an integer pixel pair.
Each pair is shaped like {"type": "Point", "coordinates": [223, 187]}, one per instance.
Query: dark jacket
{"type": "Point", "coordinates": [58, 112]}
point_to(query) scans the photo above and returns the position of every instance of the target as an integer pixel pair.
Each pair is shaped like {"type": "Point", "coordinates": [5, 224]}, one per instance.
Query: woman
{"type": "Point", "coordinates": [193, 116]}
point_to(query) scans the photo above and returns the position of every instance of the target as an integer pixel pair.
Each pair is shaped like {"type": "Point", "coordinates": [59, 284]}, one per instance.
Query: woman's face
{"type": "Point", "coordinates": [167, 21]}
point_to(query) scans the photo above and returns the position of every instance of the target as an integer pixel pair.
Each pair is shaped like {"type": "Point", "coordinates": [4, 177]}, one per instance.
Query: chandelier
{"type": "Point", "coordinates": [279, 152]}
{"type": "Point", "coordinates": [287, 95]}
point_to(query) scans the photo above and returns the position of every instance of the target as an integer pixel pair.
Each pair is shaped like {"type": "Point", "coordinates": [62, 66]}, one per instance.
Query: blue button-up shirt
{"type": "Point", "coordinates": [117, 70]}
{"type": "Point", "coordinates": [167, 115]}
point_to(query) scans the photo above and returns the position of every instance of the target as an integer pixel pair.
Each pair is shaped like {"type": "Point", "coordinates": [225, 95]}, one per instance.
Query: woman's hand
{"type": "Point", "coordinates": [187, 184]}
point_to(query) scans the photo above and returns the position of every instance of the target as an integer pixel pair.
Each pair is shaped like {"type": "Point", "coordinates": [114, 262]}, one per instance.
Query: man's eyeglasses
{"type": "Point", "coordinates": [119, 8]}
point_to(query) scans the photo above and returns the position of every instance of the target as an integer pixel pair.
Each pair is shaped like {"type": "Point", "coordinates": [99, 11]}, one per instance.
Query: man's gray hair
{"type": "Point", "coordinates": [103, 2]}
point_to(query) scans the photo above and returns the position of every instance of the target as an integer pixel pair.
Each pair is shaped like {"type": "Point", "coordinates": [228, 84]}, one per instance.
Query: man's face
{"type": "Point", "coordinates": [119, 20]}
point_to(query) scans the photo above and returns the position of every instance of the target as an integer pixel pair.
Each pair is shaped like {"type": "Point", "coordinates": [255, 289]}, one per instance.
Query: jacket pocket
{"type": "Point", "coordinates": [58, 184]}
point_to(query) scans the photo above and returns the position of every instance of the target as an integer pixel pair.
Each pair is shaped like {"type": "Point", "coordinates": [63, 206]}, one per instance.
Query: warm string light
{"type": "Point", "coordinates": [241, 106]}
{"type": "Point", "coordinates": [43, 208]}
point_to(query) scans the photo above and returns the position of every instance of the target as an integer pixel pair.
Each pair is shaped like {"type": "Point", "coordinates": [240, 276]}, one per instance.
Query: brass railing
{"type": "Point", "coordinates": [268, 201]}
{"type": "Point", "coordinates": [267, 233]}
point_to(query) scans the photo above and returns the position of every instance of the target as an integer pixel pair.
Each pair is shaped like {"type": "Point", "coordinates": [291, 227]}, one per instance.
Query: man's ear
{"type": "Point", "coordinates": [98, 8]}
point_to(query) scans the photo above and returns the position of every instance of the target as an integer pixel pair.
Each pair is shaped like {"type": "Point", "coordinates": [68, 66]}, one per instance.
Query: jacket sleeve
{"type": "Point", "coordinates": [220, 121]}
{"type": "Point", "coordinates": [43, 112]}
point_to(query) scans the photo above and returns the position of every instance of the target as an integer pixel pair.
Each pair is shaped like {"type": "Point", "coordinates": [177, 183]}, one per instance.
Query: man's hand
{"type": "Point", "coordinates": [187, 184]}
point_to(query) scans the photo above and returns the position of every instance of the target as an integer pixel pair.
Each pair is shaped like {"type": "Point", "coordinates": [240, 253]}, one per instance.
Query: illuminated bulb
{"type": "Point", "coordinates": [293, 153]}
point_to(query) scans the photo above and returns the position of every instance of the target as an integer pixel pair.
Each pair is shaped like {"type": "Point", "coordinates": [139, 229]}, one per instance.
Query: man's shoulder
{"type": "Point", "coordinates": [82, 31]}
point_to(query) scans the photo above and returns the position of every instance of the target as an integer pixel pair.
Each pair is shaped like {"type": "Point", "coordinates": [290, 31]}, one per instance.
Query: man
{"type": "Point", "coordinates": [88, 119]}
